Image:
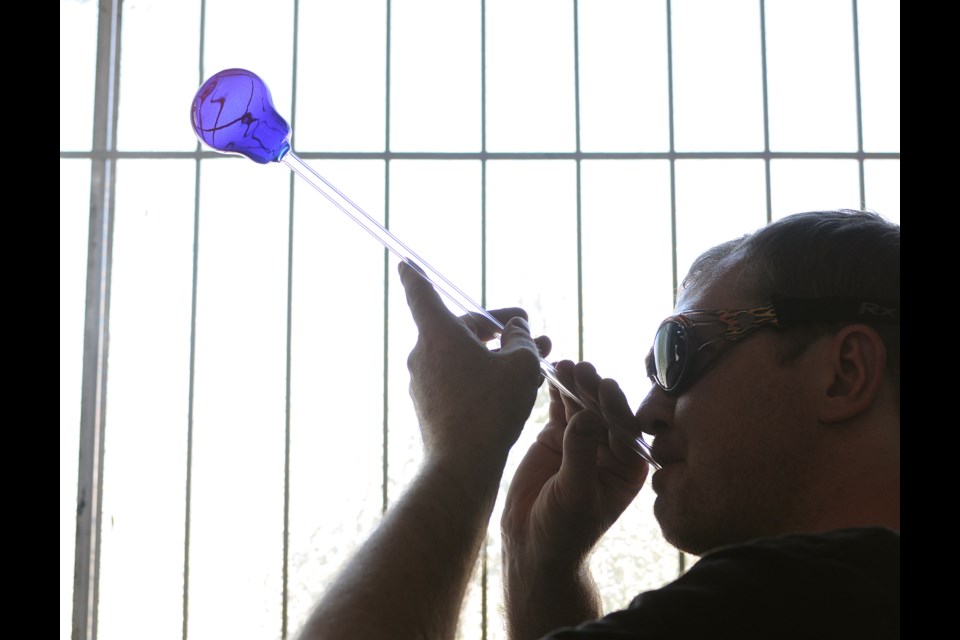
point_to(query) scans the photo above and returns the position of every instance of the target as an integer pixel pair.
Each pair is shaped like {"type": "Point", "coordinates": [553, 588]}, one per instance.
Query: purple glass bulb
{"type": "Point", "coordinates": [233, 113]}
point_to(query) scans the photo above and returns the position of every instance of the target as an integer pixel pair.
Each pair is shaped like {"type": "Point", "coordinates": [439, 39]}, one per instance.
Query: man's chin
{"type": "Point", "coordinates": [682, 536]}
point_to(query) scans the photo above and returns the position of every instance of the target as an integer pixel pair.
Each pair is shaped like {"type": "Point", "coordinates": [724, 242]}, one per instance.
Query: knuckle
{"type": "Point", "coordinates": [414, 357]}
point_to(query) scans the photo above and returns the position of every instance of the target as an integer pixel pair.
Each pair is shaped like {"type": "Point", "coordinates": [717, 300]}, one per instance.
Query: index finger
{"type": "Point", "coordinates": [422, 298]}
{"type": "Point", "coordinates": [616, 412]}
{"type": "Point", "coordinates": [568, 405]}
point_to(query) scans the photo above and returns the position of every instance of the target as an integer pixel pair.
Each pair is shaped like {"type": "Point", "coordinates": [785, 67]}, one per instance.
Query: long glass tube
{"type": "Point", "coordinates": [233, 112]}
{"type": "Point", "coordinates": [439, 281]}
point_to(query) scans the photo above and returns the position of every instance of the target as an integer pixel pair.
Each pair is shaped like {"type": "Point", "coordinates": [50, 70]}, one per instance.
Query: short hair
{"type": "Point", "coordinates": [816, 254]}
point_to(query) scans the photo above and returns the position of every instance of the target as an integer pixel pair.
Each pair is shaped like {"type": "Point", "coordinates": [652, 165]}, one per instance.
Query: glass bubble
{"type": "Point", "coordinates": [233, 112]}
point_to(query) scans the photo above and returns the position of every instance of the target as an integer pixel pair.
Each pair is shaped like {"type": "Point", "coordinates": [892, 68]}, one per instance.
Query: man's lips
{"type": "Point", "coordinates": [668, 465]}
{"type": "Point", "coordinates": [658, 478]}
{"type": "Point", "coordinates": [664, 455]}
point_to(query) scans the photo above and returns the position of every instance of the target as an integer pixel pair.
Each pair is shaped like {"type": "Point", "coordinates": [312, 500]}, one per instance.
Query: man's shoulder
{"type": "Point", "coordinates": [839, 584]}
{"type": "Point", "coordinates": [856, 564]}
{"type": "Point", "coordinates": [847, 580]}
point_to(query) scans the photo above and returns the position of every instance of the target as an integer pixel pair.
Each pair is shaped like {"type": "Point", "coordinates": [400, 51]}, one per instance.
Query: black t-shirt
{"type": "Point", "coordinates": [841, 584]}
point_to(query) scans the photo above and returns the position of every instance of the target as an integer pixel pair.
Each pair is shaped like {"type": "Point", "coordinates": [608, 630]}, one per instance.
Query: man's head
{"type": "Point", "coordinates": [783, 429]}
{"type": "Point", "coordinates": [817, 255]}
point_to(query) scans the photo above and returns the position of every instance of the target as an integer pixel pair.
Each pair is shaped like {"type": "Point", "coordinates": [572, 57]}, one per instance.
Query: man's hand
{"type": "Point", "coordinates": [409, 578]}
{"type": "Point", "coordinates": [571, 486]}
{"type": "Point", "coordinates": [469, 399]}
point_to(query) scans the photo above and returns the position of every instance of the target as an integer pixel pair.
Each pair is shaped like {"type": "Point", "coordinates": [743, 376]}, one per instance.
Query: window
{"type": "Point", "coordinates": [233, 388]}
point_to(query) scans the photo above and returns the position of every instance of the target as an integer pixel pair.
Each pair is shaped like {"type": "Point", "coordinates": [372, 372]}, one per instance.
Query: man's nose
{"type": "Point", "coordinates": [656, 411]}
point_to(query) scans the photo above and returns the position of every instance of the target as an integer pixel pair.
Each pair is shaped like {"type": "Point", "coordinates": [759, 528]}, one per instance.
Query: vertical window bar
{"type": "Point", "coordinates": [681, 559]}
{"type": "Point", "coordinates": [386, 277]}
{"type": "Point", "coordinates": [484, 585]}
{"type": "Point", "coordinates": [673, 160]}
{"type": "Point", "coordinates": [766, 108]}
{"type": "Point", "coordinates": [576, 123]}
{"type": "Point", "coordinates": [856, 83]}
{"type": "Point", "coordinates": [285, 571]}
{"type": "Point", "coordinates": [193, 352]}
{"type": "Point", "coordinates": [386, 146]}
{"type": "Point", "coordinates": [386, 341]}
{"type": "Point", "coordinates": [576, 74]}
{"type": "Point", "coordinates": [483, 153]}
{"type": "Point", "coordinates": [286, 409]}
{"type": "Point", "coordinates": [93, 402]}
{"type": "Point", "coordinates": [188, 489]}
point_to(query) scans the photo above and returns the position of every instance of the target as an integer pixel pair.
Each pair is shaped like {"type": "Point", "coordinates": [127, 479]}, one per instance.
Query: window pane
{"type": "Point", "coordinates": [252, 35]}
{"type": "Point", "coordinates": [236, 516]}
{"type": "Point", "coordinates": [435, 76]}
{"type": "Point", "coordinates": [717, 200]}
{"type": "Point", "coordinates": [627, 291]}
{"type": "Point", "coordinates": [156, 88]}
{"type": "Point", "coordinates": [78, 60]}
{"type": "Point", "coordinates": [144, 479]}
{"type": "Point", "coordinates": [882, 187]}
{"type": "Point", "coordinates": [530, 91]}
{"type": "Point", "coordinates": [341, 76]}
{"type": "Point", "coordinates": [74, 229]}
{"type": "Point", "coordinates": [623, 76]}
{"type": "Point", "coordinates": [336, 384]}
{"type": "Point", "coordinates": [879, 22]}
{"type": "Point", "coordinates": [718, 98]}
{"type": "Point", "coordinates": [804, 185]}
{"type": "Point", "coordinates": [810, 75]}
{"type": "Point", "coordinates": [532, 245]}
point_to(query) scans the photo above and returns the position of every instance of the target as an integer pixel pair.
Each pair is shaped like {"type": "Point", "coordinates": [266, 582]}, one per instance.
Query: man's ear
{"type": "Point", "coordinates": [858, 358]}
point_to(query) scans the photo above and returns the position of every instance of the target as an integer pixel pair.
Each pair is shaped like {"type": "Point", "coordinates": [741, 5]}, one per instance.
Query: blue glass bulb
{"type": "Point", "coordinates": [233, 113]}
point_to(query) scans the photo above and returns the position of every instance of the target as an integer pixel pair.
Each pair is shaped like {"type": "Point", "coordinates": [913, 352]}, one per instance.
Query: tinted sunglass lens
{"type": "Point", "coordinates": [670, 354]}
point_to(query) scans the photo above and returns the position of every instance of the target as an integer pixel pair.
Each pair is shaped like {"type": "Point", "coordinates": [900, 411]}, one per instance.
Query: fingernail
{"type": "Point", "coordinates": [417, 268]}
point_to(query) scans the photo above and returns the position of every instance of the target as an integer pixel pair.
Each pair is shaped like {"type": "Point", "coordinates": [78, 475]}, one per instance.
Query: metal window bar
{"type": "Point", "coordinates": [96, 327]}
{"type": "Point", "coordinates": [285, 574]}
{"type": "Point", "coordinates": [104, 156]}
{"type": "Point", "coordinates": [859, 109]}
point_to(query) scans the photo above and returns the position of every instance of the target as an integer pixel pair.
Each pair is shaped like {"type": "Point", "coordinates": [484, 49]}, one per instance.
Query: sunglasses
{"type": "Point", "coordinates": [686, 345]}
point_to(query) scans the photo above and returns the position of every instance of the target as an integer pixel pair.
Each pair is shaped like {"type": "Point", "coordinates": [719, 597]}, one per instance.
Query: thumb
{"type": "Point", "coordinates": [516, 335]}
{"type": "Point", "coordinates": [519, 347]}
